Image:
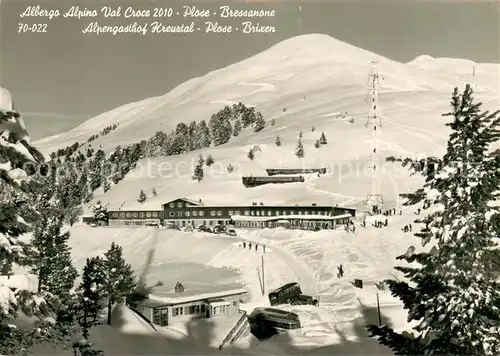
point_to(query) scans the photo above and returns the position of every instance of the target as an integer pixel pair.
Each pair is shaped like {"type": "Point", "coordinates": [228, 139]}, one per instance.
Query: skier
{"type": "Point", "coordinates": [386, 222]}
{"type": "Point", "coordinates": [409, 227]}
{"type": "Point", "coordinates": [256, 247]}
{"type": "Point", "coordinates": [244, 244]}
{"type": "Point", "coordinates": [341, 271]}
{"type": "Point", "coordinates": [250, 245]}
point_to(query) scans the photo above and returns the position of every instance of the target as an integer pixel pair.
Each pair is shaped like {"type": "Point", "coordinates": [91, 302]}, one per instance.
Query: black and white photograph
{"type": "Point", "coordinates": [249, 177]}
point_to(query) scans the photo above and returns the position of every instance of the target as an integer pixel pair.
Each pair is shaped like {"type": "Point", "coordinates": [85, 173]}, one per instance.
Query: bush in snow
{"type": "Point", "coordinates": [209, 160]}
{"type": "Point", "coordinates": [250, 155]}
{"type": "Point", "coordinates": [454, 293]}
{"type": "Point", "coordinates": [142, 197]}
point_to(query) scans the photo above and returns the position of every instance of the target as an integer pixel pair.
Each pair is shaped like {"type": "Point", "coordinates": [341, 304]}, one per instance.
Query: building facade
{"type": "Point", "coordinates": [181, 307]}
{"type": "Point", "coordinates": [183, 212]}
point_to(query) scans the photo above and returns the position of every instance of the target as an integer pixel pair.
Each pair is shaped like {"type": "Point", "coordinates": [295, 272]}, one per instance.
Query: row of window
{"type": "Point", "coordinates": [196, 309]}
{"type": "Point", "coordinates": [196, 213]}
{"type": "Point", "coordinates": [149, 214]}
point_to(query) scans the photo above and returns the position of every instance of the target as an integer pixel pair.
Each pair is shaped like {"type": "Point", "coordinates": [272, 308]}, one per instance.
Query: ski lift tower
{"type": "Point", "coordinates": [374, 120]}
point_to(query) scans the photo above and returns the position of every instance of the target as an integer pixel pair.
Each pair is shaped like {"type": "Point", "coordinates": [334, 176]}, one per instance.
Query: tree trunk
{"type": "Point", "coordinates": [109, 312]}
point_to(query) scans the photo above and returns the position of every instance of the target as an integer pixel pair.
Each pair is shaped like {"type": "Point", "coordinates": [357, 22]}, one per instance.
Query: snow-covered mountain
{"type": "Point", "coordinates": [314, 77]}
{"type": "Point", "coordinates": [326, 71]}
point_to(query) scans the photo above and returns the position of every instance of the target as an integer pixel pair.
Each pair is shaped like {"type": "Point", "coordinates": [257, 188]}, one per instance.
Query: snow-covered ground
{"type": "Point", "coordinates": [310, 258]}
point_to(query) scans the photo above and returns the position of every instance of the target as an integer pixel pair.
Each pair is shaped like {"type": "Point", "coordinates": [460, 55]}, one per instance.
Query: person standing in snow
{"type": "Point", "coordinates": [249, 245]}
{"type": "Point", "coordinates": [244, 244]}
{"type": "Point", "coordinates": [341, 271]}
{"type": "Point", "coordinates": [256, 247]}
{"type": "Point", "coordinates": [264, 248]}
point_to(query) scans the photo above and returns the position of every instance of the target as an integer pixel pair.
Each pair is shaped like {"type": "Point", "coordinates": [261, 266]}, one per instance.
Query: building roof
{"type": "Point", "coordinates": [287, 217]}
{"type": "Point", "coordinates": [187, 297]}
{"type": "Point", "coordinates": [190, 201]}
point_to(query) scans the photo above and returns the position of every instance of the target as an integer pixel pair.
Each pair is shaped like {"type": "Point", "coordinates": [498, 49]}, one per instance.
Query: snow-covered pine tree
{"type": "Point", "coordinates": [260, 123]}
{"type": "Point", "coordinates": [236, 128]}
{"type": "Point", "coordinates": [191, 136]}
{"type": "Point", "coordinates": [119, 277]}
{"type": "Point", "coordinates": [299, 151]}
{"type": "Point", "coordinates": [100, 213]}
{"type": "Point", "coordinates": [278, 141]}
{"type": "Point", "coordinates": [209, 160]}
{"type": "Point", "coordinates": [91, 294]}
{"type": "Point", "coordinates": [221, 129]}
{"type": "Point", "coordinates": [106, 186]}
{"type": "Point", "coordinates": [203, 135]}
{"type": "Point", "coordinates": [17, 217]}
{"type": "Point", "coordinates": [142, 197]}
{"type": "Point", "coordinates": [251, 155]}
{"type": "Point", "coordinates": [322, 139]}
{"type": "Point", "coordinates": [198, 172]}
{"type": "Point", "coordinates": [454, 294]}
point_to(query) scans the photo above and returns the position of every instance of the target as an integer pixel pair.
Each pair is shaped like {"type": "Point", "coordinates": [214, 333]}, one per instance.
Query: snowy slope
{"type": "Point", "coordinates": [324, 70]}
{"type": "Point", "coordinates": [314, 77]}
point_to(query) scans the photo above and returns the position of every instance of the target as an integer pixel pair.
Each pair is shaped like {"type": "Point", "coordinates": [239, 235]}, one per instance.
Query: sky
{"type": "Point", "coordinates": [62, 77]}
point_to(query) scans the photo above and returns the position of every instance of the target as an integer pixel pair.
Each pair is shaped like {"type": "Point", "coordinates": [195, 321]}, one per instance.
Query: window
{"type": "Point", "coordinates": [122, 215]}
{"type": "Point", "coordinates": [129, 215]}
{"type": "Point", "coordinates": [141, 215]}
{"type": "Point", "coordinates": [195, 213]}
{"type": "Point", "coordinates": [252, 213]}
{"type": "Point", "coordinates": [115, 215]}
{"type": "Point", "coordinates": [202, 308]}
{"type": "Point", "coordinates": [179, 205]}
{"type": "Point", "coordinates": [269, 213]}
{"type": "Point", "coordinates": [247, 212]}
{"type": "Point", "coordinates": [283, 212]}
{"type": "Point", "coordinates": [219, 212]}
{"type": "Point", "coordinates": [202, 213]}
{"type": "Point", "coordinates": [186, 213]}
{"type": "Point", "coordinates": [172, 214]}
{"type": "Point", "coordinates": [155, 214]}
{"type": "Point", "coordinates": [148, 214]}
{"type": "Point", "coordinates": [231, 213]}
{"type": "Point", "coordinates": [171, 205]}
{"type": "Point", "coordinates": [134, 215]}
{"type": "Point", "coordinates": [235, 303]}
{"type": "Point", "coordinates": [237, 212]}
{"type": "Point", "coordinates": [179, 214]}
{"type": "Point", "coordinates": [212, 212]}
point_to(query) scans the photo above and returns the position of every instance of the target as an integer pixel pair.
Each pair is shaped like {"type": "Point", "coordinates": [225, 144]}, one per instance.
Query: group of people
{"type": "Point", "coordinates": [256, 246]}
{"type": "Point", "coordinates": [380, 223]}
{"type": "Point", "coordinates": [406, 228]}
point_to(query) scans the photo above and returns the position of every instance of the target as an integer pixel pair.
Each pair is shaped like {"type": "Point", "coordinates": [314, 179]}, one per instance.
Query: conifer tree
{"type": "Point", "coordinates": [119, 277]}
{"type": "Point", "coordinates": [236, 128]}
{"type": "Point", "coordinates": [18, 216]}
{"type": "Point", "coordinates": [198, 173]}
{"type": "Point", "coordinates": [91, 294]}
{"type": "Point", "coordinates": [322, 139]}
{"type": "Point", "coordinates": [100, 213]}
{"type": "Point", "coordinates": [142, 197]}
{"type": "Point", "coordinates": [250, 155]}
{"type": "Point", "coordinates": [209, 160]}
{"type": "Point", "coordinates": [299, 151]}
{"type": "Point", "coordinates": [260, 123]}
{"type": "Point", "coordinates": [230, 168]}
{"type": "Point", "coordinates": [454, 293]}
{"type": "Point", "coordinates": [203, 135]}
{"type": "Point", "coordinates": [278, 141]}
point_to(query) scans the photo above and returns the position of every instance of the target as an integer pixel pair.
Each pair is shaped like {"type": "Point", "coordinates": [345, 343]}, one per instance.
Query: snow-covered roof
{"type": "Point", "coordinates": [288, 217]}
{"type": "Point", "coordinates": [187, 297]}
{"type": "Point", "coordinates": [219, 303]}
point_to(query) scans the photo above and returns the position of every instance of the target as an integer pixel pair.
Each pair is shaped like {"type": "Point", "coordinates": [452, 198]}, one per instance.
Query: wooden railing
{"type": "Point", "coordinates": [229, 337]}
